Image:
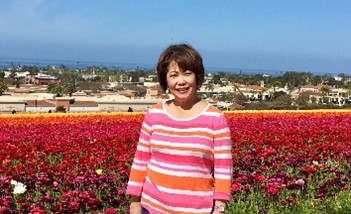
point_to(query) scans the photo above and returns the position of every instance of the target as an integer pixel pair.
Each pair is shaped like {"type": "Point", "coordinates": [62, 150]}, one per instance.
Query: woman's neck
{"type": "Point", "coordinates": [185, 104]}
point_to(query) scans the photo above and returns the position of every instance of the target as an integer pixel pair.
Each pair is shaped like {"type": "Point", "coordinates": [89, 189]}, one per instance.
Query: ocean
{"type": "Point", "coordinates": [10, 62]}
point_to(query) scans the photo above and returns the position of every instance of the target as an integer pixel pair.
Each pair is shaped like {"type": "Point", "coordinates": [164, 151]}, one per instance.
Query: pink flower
{"type": "Point", "coordinates": [109, 211]}
{"type": "Point", "coordinates": [37, 210]}
{"type": "Point", "coordinates": [257, 177]}
{"type": "Point", "coordinates": [236, 186]}
{"type": "Point", "coordinates": [271, 190]}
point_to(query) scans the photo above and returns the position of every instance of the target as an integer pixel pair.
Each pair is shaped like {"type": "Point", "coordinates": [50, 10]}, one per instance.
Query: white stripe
{"type": "Point", "coordinates": [177, 144]}
{"type": "Point", "coordinates": [178, 209]}
{"type": "Point", "coordinates": [223, 156]}
{"type": "Point", "coordinates": [140, 162]}
{"type": "Point", "coordinates": [182, 192]}
{"type": "Point", "coordinates": [156, 163]}
{"type": "Point", "coordinates": [186, 136]}
{"type": "Point", "coordinates": [190, 129]}
{"type": "Point", "coordinates": [143, 148]}
{"type": "Point", "coordinates": [221, 148]}
{"type": "Point", "coordinates": [136, 184]}
{"type": "Point", "coordinates": [220, 131]}
{"type": "Point", "coordinates": [179, 173]}
{"type": "Point", "coordinates": [144, 141]}
{"type": "Point", "coordinates": [146, 126]}
{"type": "Point", "coordinates": [138, 167]}
{"type": "Point", "coordinates": [223, 170]}
{"type": "Point", "coordinates": [221, 176]}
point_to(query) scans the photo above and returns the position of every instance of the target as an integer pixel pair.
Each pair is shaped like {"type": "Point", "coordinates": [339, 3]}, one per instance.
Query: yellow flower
{"type": "Point", "coordinates": [99, 171]}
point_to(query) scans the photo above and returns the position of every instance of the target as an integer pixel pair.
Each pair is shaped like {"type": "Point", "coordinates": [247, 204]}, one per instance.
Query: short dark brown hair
{"type": "Point", "coordinates": [186, 57]}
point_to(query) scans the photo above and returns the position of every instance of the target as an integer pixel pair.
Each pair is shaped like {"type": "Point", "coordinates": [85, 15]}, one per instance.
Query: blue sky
{"type": "Point", "coordinates": [298, 35]}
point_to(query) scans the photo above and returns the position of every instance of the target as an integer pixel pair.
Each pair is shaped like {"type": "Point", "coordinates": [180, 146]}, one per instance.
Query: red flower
{"type": "Point", "coordinates": [271, 190]}
{"type": "Point", "coordinates": [236, 187]}
{"type": "Point", "coordinates": [110, 211]}
{"type": "Point", "coordinates": [37, 210]}
{"type": "Point", "coordinates": [309, 169]}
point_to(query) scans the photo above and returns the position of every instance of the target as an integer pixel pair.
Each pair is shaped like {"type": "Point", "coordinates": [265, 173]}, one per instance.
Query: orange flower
{"type": "Point", "coordinates": [6, 162]}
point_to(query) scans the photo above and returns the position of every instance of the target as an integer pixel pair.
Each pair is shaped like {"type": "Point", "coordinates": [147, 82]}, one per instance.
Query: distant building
{"type": "Point", "coordinates": [152, 92]}
{"type": "Point", "coordinates": [10, 105]}
{"type": "Point", "coordinates": [42, 79]}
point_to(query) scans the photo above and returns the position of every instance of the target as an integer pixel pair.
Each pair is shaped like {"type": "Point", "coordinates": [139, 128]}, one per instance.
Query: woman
{"type": "Point", "coordinates": [183, 162]}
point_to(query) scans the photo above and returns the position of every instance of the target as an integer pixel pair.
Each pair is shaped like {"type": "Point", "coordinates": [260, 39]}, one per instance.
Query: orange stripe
{"type": "Point", "coordinates": [182, 183]}
{"type": "Point", "coordinates": [188, 134]}
{"type": "Point", "coordinates": [223, 152]}
{"type": "Point", "coordinates": [157, 106]}
{"type": "Point", "coordinates": [214, 109]}
{"type": "Point", "coordinates": [143, 144]}
{"type": "Point", "coordinates": [137, 175]}
{"type": "Point", "coordinates": [146, 130]}
{"type": "Point", "coordinates": [223, 185]}
{"type": "Point", "coordinates": [225, 134]}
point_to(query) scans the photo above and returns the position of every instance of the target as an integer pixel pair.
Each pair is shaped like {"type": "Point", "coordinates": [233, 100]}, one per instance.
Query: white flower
{"type": "Point", "coordinates": [13, 182]}
{"type": "Point", "coordinates": [19, 187]}
{"type": "Point", "coordinates": [300, 182]}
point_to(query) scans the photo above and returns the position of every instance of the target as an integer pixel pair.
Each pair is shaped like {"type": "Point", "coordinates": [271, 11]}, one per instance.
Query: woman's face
{"type": "Point", "coordinates": [182, 84]}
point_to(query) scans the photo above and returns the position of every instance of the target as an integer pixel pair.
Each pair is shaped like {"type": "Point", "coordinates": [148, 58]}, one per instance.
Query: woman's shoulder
{"type": "Point", "coordinates": [214, 109]}
{"type": "Point", "coordinates": [157, 106]}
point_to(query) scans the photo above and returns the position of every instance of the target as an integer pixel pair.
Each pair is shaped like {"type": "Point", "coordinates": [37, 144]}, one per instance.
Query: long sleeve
{"type": "Point", "coordinates": [141, 160]}
{"type": "Point", "coordinates": [223, 163]}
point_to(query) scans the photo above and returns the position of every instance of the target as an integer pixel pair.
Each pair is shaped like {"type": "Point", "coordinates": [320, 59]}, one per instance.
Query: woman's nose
{"type": "Point", "coordinates": [181, 79]}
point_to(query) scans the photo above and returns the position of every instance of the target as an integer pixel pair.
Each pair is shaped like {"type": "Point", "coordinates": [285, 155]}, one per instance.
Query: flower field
{"type": "Point", "coordinates": [284, 162]}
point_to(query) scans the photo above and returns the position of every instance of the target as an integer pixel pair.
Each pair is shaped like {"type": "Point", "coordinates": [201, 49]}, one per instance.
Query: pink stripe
{"type": "Point", "coordinates": [184, 160]}
{"type": "Point", "coordinates": [183, 170]}
{"type": "Point", "coordinates": [140, 155]}
{"type": "Point", "coordinates": [188, 139]}
{"type": "Point", "coordinates": [221, 196]}
{"type": "Point", "coordinates": [200, 122]}
{"type": "Point", "coordinates": [178, 200]}
{"type": "Point", "coordinates": [133, 190]}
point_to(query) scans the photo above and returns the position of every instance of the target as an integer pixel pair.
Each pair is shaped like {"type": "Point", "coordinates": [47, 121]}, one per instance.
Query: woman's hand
{"type": "Point", "coordinates": [135, 206]}
{"type": "Point", "coordinates": [218, 203]}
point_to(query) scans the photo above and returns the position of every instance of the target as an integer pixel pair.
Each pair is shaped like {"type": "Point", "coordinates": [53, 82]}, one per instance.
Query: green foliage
{"type": "Point", "coordinates": [256, 201]}
{"type": "Point", "coordinates": [56, 89]}
{"type": "Point", "coordinates": [2, 75]}
{"type": "Point", "coordinates": [3, 87]}
{"type": "Point", "coordinates": [303, 98]}
{"type": "Point", "coordinates": [61, 109]}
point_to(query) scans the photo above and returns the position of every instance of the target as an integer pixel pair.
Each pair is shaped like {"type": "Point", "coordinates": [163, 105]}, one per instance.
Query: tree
{"type": "Point", "coordinates": [324, 90]}
{"type": "Point", "coordinates": [284, 99]}
{"type": "Point", "coordinates": [209, 87]}
{"type": "Point", "coordinates": [240, 99]}
{"type": "Point", "coordinates": [236, 89]}
{"type": "Point", "coordinates": [56, 89]}
{"type": "Point", "coordinates": [3, 87]}
{"type": "Point", "coordinates": [2, 75]}
{"type": "Point", "coordinates": [303, 98]}
{"type": "Point", "coordinates": [61, 109]}
{"type": "Point", "coordinates": [275, 85]}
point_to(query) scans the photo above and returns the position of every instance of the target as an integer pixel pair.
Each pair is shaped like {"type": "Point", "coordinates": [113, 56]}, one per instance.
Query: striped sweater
{"type": "Point", "coordinates": [182, 165]}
